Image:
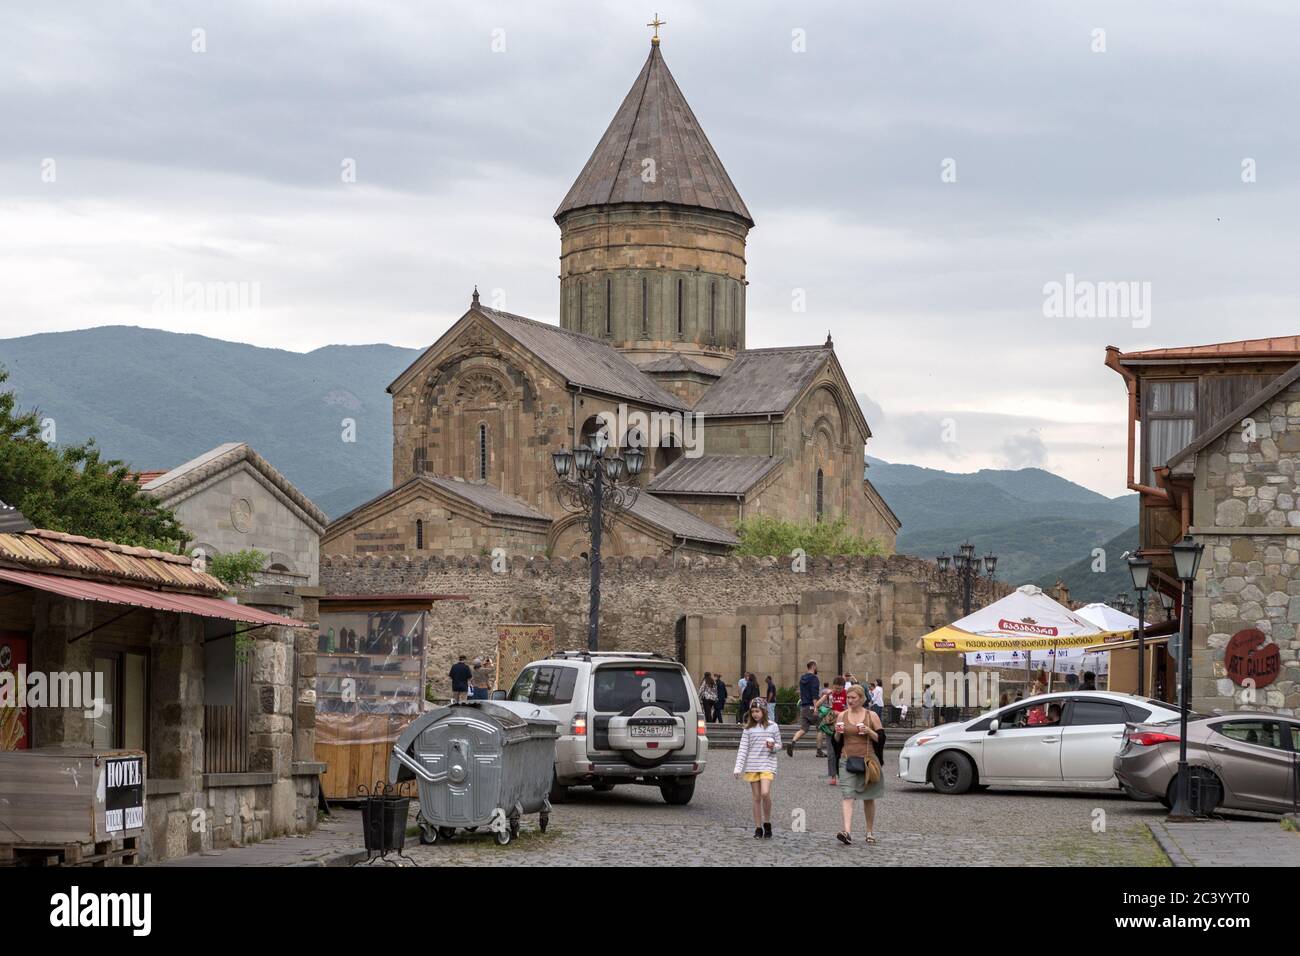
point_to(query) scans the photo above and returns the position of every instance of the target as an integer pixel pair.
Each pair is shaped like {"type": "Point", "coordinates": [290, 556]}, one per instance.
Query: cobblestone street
{"type": "Point", "coordinates": [916, 826]}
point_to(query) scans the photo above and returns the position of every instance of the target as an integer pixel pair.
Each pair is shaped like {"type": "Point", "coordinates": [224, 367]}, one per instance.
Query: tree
{"type": "Point", "coordinates": [763, 535]}
{"type": "Point", "coordinates": [75, 489]}
{"type": "Point", "coordinates": [237, 569]}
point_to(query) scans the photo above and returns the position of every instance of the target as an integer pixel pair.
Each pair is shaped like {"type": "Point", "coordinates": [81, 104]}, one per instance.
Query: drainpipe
{"type": "Point", "coordinates": [1112, 361]}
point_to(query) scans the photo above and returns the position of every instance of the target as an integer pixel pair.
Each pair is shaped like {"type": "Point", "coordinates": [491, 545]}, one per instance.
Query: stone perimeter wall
{"type": "Point", "coordinates": [884, 604]}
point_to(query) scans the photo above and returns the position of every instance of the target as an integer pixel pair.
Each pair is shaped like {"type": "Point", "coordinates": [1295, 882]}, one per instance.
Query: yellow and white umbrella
{"type": "Point", "coordinates": [1024, 620]}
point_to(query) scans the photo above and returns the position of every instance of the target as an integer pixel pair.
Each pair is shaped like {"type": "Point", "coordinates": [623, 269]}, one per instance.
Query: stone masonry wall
{"type": "Point", "coordinates": [884, 604]}
{"type": "Point", "coordinates": [1250, 571]}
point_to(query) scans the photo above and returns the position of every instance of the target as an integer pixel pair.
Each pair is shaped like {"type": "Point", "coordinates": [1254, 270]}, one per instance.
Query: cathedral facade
{"type": "Point", "coordinates": [652, 328]}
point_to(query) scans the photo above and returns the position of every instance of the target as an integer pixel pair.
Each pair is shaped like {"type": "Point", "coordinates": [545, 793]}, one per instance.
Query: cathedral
{"type": "Point", "coordinates": [652, 321]}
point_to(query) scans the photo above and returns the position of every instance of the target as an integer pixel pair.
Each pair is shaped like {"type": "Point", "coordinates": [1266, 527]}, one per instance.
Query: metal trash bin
{"type": "Point", "coordinates": [485, 763]}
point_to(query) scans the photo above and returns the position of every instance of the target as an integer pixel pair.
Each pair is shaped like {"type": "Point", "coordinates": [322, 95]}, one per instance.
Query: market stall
{"type": "Point", "coordinates": [1026, 634]}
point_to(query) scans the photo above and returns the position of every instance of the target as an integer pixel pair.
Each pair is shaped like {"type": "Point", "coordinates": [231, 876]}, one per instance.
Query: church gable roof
{"type": "Point", "coordinates": [655, 123]}
{"type": "Point", "coordinates": [487, 500]}
{"type": "Point", "coordinates": [581, 360]}
{"type": "Point", "coordinates": [713, 475]}
{"type": "Point", "coordinates": [680, 522]}
{"type": "Point", "coordinates": [763, 381]}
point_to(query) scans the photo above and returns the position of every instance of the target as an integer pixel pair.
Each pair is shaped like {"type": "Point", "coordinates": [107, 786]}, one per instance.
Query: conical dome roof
{"type": "Point", "coordinates": [655, 123]}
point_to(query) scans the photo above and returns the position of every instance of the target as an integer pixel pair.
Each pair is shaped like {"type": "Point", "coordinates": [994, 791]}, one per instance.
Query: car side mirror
{"type": "Point", "coordinates": [498, 695]}
{"type": "Point", "coordinates": [993, 726]}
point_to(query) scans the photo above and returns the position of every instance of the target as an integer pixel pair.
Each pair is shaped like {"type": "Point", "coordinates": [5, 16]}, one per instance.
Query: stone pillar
{"type": "Point", "coordinates": [176, 729]}
{"type": "Point", "coordinates": [57, 621]}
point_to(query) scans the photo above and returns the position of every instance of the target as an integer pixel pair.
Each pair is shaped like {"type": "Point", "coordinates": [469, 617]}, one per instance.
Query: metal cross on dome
{"type": "Point", "coordinates": [656, 23]}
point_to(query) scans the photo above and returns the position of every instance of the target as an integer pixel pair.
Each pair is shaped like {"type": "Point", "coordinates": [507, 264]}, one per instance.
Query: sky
{"type": "Point", "coordinates": [926, 177]}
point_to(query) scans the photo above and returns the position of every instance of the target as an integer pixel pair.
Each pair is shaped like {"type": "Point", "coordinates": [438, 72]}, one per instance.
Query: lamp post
{"type": "Point", "coordinates": [1167, 602]}
{"type": "Point", "coordinates": [598, 486]}
{"type": "Point", "coordinates": [1139, 568]}
{"type": "Point", "coordinates": [1187, 559]}
{"type": "Point", "coordinates": [966, 564]}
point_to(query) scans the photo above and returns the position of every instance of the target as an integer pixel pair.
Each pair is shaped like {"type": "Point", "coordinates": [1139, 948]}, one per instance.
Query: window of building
{"type": "Point", "coordinates": [582, 307]}
{"type": "Point", "coordinates": [1168, 421]}
{"type": "Point", "coordinates": [645, 304]}
{"type": "Point", "coordinates": [820, 500]}
{"type": "Point", "coordinates": [482, 452]}
{"type": "Point", "coordinates": [839, 648]}
{"type": "Point", "coordinates": [713, 307]}
{"type": "Point", "coordinates": [744, 649]}
{"type": "Point", "coordinates": [125, 677]}
{"type": "Point", "coordinates": [679, 307]}
{"type": "Point", "coordinates": [419, 534]}
{"type": "Point", "coordinates": [609, 307]}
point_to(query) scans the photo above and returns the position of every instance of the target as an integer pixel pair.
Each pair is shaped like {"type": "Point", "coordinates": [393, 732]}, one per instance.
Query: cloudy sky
{"type": "Point", "coordinates": [919, 171]}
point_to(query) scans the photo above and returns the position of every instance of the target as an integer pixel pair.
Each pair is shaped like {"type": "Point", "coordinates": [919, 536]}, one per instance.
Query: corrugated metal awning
{"type": "Point", "coordinates": [83, 590]}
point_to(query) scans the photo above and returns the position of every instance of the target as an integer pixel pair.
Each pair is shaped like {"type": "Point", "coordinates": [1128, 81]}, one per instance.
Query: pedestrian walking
{"type": "Point", "coordinates": [708, 696]}
{"type": "Point", "coordinates": [771, 699]}
{"type": "Point", "coordinates": [810, 689]}
{"type": "Point", "coordinates": [863, 781]}
{"type": "Point", "coordinates": [460, 675]}
{"type": "Point", "coordinates": [831, 705]}
{"type": "Point", "coordinates": [484, 675]}
{"type": "Point", "coordinates": [927, 705]}
{"type": "Point", "coordinates": [756, 763]}
{"type": "Point", "coordinates": [878, 699]}
{"type": "Point", "coordinates": [750, 693]}
{"type": "Point", "coordinates": [721, 688]}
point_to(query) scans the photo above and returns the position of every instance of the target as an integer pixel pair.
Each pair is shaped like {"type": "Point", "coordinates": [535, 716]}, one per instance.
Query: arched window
{"type": "Point", "coordinates": [744, 650]}
{"type": "Point", "coordinates": [582, 306]}
{"type": "Point", "coordinates": [820, 500]}
{"type": "Point", "coordinates": [713, 307]}
{"type": "Point", "coordinates": [609, 307]}
{"type": "Point", "coordinates": [679, 307]}
{"type": "Point", "coordinates": [419, 534]}
{"type": "Point", "coordinates": [482, 451]}
{"type": "Point", "coordinates": [645, 305]}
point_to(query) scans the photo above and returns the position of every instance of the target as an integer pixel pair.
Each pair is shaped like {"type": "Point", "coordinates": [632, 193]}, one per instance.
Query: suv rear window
{"type": "Point", "coordinates": [620, 686]}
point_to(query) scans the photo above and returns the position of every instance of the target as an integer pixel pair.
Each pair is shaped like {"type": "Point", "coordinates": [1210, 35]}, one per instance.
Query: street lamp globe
{"type": "Point", "coordinates": [990, 563]}
{"type": "Point", "coordinates": [615, 468]}
{"type": "Point", "coordinates": [635, 460]}
{"type": "Point", "coordinates": [967, 551]}
{"type": "Point", "coordinates": [582, 458]}
{"type": "Point", "coordinates": [563, 462]}
{"type": "Point", "coordinates": [943, 561]}
{"type": "Point", "coordinates": [1140, 570]}
{"type": "Point", "coordinates": [1187, 558]}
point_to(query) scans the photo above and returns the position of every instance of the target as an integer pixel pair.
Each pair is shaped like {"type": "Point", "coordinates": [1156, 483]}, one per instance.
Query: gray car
{"type": "Point", "coordinates": [1255, 757]}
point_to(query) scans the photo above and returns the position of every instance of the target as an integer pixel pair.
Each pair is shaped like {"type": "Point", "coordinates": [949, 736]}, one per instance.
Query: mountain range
{"type": "Point", "coordinates": [157, 399]}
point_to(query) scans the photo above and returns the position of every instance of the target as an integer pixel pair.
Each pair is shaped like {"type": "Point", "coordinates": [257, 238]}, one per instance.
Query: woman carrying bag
{"type": "Point", "coordinates": [708, 697]}
{"type": "Point", "coordinates": [862, 779]}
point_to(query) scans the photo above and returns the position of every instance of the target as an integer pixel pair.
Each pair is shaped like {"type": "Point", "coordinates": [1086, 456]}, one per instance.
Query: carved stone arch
{"type": "Point", "coordinates": [568, 538]}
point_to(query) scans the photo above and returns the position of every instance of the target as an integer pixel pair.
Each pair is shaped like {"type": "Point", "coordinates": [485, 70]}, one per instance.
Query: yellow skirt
{"type": "Point", "coordinates": [754, 777]}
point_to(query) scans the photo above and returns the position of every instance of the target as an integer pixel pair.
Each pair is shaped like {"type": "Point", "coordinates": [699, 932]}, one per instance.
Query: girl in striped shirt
{"type": "Point", "coordinates": [756, 762]}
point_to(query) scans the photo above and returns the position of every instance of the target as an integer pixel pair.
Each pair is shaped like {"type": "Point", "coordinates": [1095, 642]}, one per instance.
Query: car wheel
{"type": "Point", "coordinates": [952, 772]}
{"type": "Point", "coordinates": [678, 793]}
{"type": "Point", "coordinates": [1171, 793]}
{"type": "Point", "coordinates": [559, 793]}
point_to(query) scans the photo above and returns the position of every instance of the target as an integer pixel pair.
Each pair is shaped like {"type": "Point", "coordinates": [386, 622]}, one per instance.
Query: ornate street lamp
{"type": "Point", "coordinates": [1167, 602]}
{"type": "Point", "coordinates": [1187, 560]}
{"type": "Point", "coordinates": [598, 486]}
{"type": "Point", "coordinates": [966, 565]}
{"type": "Point", "coordinates": [1139, 569]}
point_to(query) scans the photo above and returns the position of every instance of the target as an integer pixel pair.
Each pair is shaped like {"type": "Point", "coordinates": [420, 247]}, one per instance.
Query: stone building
{"type": "Point", "coordinates": [231, 499]}
{"type": "Point", "coordinates": [717, 613]}
{"type": "Point", "coordinates": [651, 330]}
{"type": "Point", "coordinates": [223, 765]}
{"type": "Point", "coordinates": [1219, 452]}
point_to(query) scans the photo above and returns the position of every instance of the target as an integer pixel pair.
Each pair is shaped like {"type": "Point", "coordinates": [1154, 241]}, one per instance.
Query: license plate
{"type": "Point", "coordinates": [651, 731]}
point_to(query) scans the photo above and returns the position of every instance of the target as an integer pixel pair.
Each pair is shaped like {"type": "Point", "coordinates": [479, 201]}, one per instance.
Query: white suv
{"type": "Point", "coordinates": [625, 717]}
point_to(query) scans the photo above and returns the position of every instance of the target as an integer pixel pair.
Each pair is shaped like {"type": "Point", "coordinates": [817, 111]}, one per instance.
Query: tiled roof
{"type": "Point", "coordinates": [11, 519]}
{"type": "Point", "coordinates": [1280, 347]}
{"type": "Point", "coordinates": [655, 122]}
{"type": "Point", "coordinates": [763, 381]}
{"type": "Point", "coordinates": [583, 360]}
{"type": "Point", "coordinates": [713, 475]}
{"type": "Point", "coordinates": [680, 522]}
{"type": "Point", "coordinates": [144, 477]}
{"type": "Point", "coordinates": [55, 551]}
{"type": "Point", "coordinates": [488, 497]}
{"type": "Point", "coordinates": [168, 486]}
{"type": "Point", "coordinates": [677, 363]}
